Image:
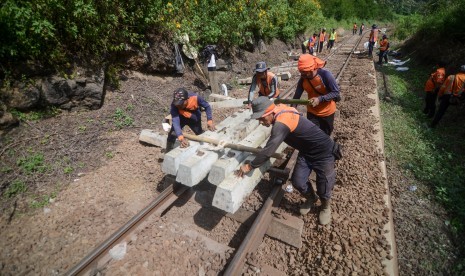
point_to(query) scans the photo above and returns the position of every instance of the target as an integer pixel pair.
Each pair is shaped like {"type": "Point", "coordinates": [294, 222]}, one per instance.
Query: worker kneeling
{"type": "Point", "coordinates": [317, 151]}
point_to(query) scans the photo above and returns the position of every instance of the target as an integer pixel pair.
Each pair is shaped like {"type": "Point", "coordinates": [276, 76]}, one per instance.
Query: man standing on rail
{"type": "Point", "coordinates": [317, 151]}
{"type": "Point", "coordinates": [372, 40]}
{"type": "Point", "coordinates": [450, 93]}
{"type": "Point", "coordinates": [267, 82]}
{"type": "Point", "coordinates": [354, 30]}
{"type": "Point", "coordinates": [322, 90]}
{"type": "Point", "coordinates": [432, 86]}
{"type": "Point", "coordinates": [185, 110]}
{"type": "Point", "coordinates": [362, 28]}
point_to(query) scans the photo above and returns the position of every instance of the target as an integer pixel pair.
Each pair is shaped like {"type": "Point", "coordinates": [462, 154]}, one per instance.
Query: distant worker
{"type": "Point", "coordinates": [266, 81]}
{"type": "Point", "coordinates": [451, 92]}
{"type": "Point", "coordinates": [185, 110]}
{"type": "Point", "coordinates": [311, 43]}
{"type": "Point", "coordinates": [316, 152]}
{"type": "Point", "coordinates": [362, 28]}
{"type": "Point", "coordinates": [372, 39]}
{"type": "Point", "coordinates": [332, 39]}
{"type": "Point", "coordinates": [322, 90]}
{"type": "Point", "coordinates": [354, 30]}
{"type": "Point", "coordinates": [305, 45]}
{"type": "Point", "coordinates": [432, 85]}
{"type": "Point", "coordinates": [383, 50]}
{"type": "Point", "coordinates": [322, 39]}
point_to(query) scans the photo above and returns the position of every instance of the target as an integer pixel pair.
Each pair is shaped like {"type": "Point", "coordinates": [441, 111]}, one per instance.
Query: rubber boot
{"type": "Point", "coordinates": [325, 212]}
{"type": "Point", "coordinates": [309, 203]}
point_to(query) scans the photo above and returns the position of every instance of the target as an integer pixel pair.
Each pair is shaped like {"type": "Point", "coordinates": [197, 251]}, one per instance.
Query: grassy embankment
{"type": "Point", "coordinates": [435, 157]}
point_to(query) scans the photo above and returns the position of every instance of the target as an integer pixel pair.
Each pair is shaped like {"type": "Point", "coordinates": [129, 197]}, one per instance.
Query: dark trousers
{"type": "Point", "coordinates": [382, 54]}
{"type": "Point", "coordinates": [360, 32]}
{"type": "Point", "coordinates": [325, 176]}
{"type": "Point", "coordinates": [310, 50]}
{"type": "Point", "coordinates": [430, 103]}
{"type": "Point", "coordinates": [320, 47]}
{"type": "Point", "coordinates": [354, 31]}
{"type": "Point", "coordinates": [304, 49]}
{"type": "Point", "coordinates": [370, 48]}
{"type": "Point", "coordinates": [196, 127]}
{"type": "Point", "coordinates": [443, 105]}
{"type": "Point", "coordinates": [324, 123]}
{"type": "Point", "coordinates": [330, 44]}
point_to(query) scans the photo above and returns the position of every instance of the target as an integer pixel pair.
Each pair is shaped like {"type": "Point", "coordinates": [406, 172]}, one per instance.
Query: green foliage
{"type": "Point", "coordinates": [36, 115]}
{"type": "Point", "coordinates": [40, 202]}
{"type": "Point", "coordinates": [436, 20]}
{"type": "Point", "coordinates": [424, 152]}
{"type": "Point", "coordinates": [6, 169]}
{"type": "Point", "coordinates": [32, 163]}
{"type": "Point", "coordinates": [15, 188]}
{"type": "Point", "coordinates": [109, 154]}
{"type": "Point", "coordinates": [56, 32]}
{"type": "Point", "coordinates": [362, 9]}
{"type": "Point", "coordinates": [434, 156]}
{"type": "Point", "coordinates": [68, 170]}
{"type": "Point", "coordinates": [122, 119]}
{"type": "Point", "coordinates": [111, 76]}
{"type": "Point", "coordinates": [406, 26]}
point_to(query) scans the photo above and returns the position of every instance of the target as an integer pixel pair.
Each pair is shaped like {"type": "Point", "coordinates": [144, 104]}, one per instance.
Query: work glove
{"type": "Point", "coordinates": [315, 101]}
{"type": "Point", "coordinates": [243, 170]}
{"type": "Point", "coordinates": [210, 125]}
{"type": "Point", "coordinates": [184, 142]}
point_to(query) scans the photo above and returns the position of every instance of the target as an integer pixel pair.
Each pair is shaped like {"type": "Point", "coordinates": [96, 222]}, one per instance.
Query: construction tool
{"type": "Point", "coordinates": [229, 145]}
{"type": "Point", "coordinates": [288, 101]}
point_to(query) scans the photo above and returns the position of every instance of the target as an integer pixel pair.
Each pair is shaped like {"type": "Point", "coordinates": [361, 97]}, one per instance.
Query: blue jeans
{"type": "Point", "coordinates": [325, 176]}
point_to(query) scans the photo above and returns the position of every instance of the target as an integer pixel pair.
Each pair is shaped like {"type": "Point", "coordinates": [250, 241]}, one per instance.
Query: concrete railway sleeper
{"type": "Point", "coordinates": [96, 260]}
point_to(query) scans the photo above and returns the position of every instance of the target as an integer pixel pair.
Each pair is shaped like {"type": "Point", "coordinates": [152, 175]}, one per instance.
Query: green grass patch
{"type": "Point", "coordinates": [122, 119]}
{"type": "Point", "coordinates": [435, 157]}
{"type": "Point", "coordinates": [36, 115]}
{"type": "Point", "coordinates": [15, 188]}
{"type": "Point", "coordinates": [34, 162]}
{"type": "Point", "coordinates": [42, 201]}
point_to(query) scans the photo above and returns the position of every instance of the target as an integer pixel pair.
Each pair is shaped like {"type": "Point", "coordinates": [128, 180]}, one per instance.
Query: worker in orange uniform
{"type": "Point", "coordinates": [432, 86]}
{"type": "Point", "coordinates": [311, 43]}
{"type": "Point", "coordinates": [322, 90]}
{"type": "Point", "coordinates": [372, 39]}
{"type": "Point", "coordinates": [322, 39]}
{"type": "Point", "coordinates": [185, 110]}
{"type": "Point", "coordinates": [317, 151]}
{"type": "Point", "coordinates": [451, 92]}
{"type": "Point", "coordinates": [354, 30]}
{"type": "Point", "coordinates": [266, 81]}
{"type": "Point", "coordinates": [383, 50]}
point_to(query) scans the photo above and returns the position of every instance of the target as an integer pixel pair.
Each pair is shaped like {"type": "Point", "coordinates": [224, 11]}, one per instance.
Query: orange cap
{"type": "Point", "coordinates": [308, 63]}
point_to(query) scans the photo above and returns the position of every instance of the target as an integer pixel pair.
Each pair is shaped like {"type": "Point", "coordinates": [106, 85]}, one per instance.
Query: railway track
{"type": "Point", "coordinates": [338, 62]}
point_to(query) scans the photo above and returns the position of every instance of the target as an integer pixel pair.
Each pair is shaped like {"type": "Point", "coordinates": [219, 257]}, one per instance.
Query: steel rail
{"type": "Point", "coordinates": [288, 91]}
{"type": "Point", "coordinates": [250, 243]}
{"type": "Point", "coordinates": [85, 265]}
{"type": "Point", "coordinates": [258, 229]}
{"type": "Point", "coordinates": [346, 62]}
